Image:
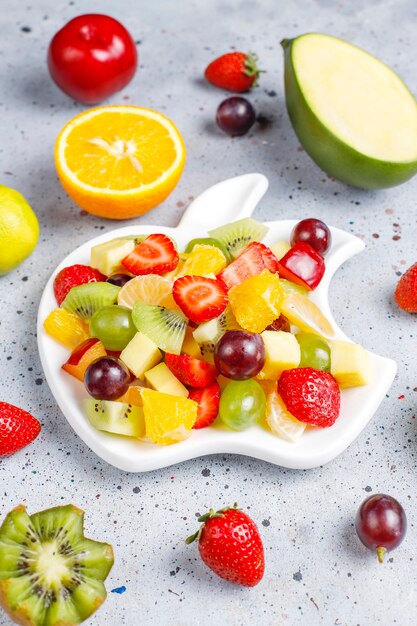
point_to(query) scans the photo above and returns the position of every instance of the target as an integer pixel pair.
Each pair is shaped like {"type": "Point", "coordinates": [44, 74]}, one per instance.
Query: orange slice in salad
{"type": "Point", "coordinates": [119, 161]}
{"type": "Point", "coordinates": [150, 288]}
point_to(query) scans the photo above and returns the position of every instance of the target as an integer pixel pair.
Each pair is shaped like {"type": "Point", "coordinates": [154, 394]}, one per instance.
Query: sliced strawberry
{"type": "Point", "coordinates": [208, 399]}
{"type": "Point", "coordinates": [18, 428]}
{"type": "Point", "coordinates": [73, 276]}
{"type": "Point", "coordinates": [154, 255]}
{"type": "Point", "coordinates": [268, 257]}
{"type": "Point", "coordinates": [247, 264]}
{"type": "Point", "coordinates": [201, 299]}
{"type": "Point", "coordinates": [191, 371]}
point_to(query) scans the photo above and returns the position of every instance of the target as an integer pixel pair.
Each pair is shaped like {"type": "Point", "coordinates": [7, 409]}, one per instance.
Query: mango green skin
{"type": "Point", "coordinates": [19, 229]}
{"type": "Point", "coordinates": [334, 156]}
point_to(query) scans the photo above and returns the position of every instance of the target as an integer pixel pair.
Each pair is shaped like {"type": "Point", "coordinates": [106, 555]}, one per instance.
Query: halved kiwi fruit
{"type": "Point", "coordinates": [85, 300]}
{"type": "Point", "coordinates": [166, 328]}
{"type": "Point", "coordinates": [120, 418]}
{"type": "Point", "coordinates": [50, 574]}
{"type": "Point", "coordinates": [237, 235]}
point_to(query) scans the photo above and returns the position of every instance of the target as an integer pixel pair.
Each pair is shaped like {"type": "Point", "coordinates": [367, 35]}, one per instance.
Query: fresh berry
{"type": "Point", "coordinates": [208, 399]}
{"type": "Point", "coordinates": [18, 428]}
{"type": "Point", "coordinates": [234, 71]}
{"type": "Point", "coordinates": [191, 371]}
{"type": "Point", "coordinates": [268, 257]}
{"type": "Point", "coordinates": [235, 116]}
{"type": "Point", "coordinates": [302, 265]}
{"type": "Point", "coordinates": [247, 264]}
{"type": "Point", "coordinates": [311, 396]}
{"type": "Point", "coordinates": [406, 291]}
{"type": "Point", "coordinates": [314, 232]}
{"type": "Point", "coordinates": [154, 255]}
{"type": "Point", "coordinates": [230, 545]}
{"type": "Point", "coordinates": [381, 524]}
{"type": "Point", "coordinates": [201, 299]}
{"type": "Point", "coordinates": [73, 276]}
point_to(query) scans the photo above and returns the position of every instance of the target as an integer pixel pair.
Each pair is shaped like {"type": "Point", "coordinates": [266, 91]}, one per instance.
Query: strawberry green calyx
{"type": "Point", "coordinates": [251, 67]}
{"type": "Point", "coordinates": [204, 518]}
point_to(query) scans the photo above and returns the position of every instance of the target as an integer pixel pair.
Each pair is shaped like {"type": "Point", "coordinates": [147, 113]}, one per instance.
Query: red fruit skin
{"type": "Point", "coordinates": [208, 399]}
{"type": "Point", "coordinates": [190, 371]}
{"type": "Point", "coordinates": [228, 72]}
{"type": "Point", "coordinates": [72, 276]}
{"type": "Point", "coordinates": [154, 255]}
{"type": "Point", "coordinates": [232, 548]}
{"type": "Point", "coordinates": [406, 291]}
{"type": "Point", "coordinates": [201, 299]}
{"type": "Point", "coordinates": [302, 265]}
{"type": "Point", "coordinates": [247, 264]}
{"type": "Point", "coordinates": [92, 57]}
{"type": "Point", "coordinates": [311, 396]}
{"type": "Point", "coordinates": [18, 428]}
{"type": "Point", "coordinates": [381, 522]}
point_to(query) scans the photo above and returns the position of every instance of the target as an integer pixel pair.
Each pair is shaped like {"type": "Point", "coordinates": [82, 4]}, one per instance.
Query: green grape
{"type": "Point", "coordinates": [242, 403]}
{"type": "Point", "coordinates": [208, 241]}
{"type": "Point", "coordinates": [114, 327]}
{"type": "Point", "coordinates": [289, 287]}
{"type": "Point", "coordinates": [314, 351]}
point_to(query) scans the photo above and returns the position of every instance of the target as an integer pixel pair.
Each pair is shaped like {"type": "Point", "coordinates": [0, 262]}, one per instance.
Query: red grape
{"type": "Point", "coordinates": [314, 232]}
{"type": "Point", "coordinates": [119, 279]}
{"type": "Point", "coordinates": [381, 524]}
{"type": "Point", "coordinates": [107, 378]}
{"type": "Point", "coordinates": [239, 355]}
{"type": "Point", "coordinates": [235, 116]}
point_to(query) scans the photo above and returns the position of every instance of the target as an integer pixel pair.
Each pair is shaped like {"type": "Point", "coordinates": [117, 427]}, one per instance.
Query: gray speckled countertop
{"type": "Point", "coordinates": [317, 572]}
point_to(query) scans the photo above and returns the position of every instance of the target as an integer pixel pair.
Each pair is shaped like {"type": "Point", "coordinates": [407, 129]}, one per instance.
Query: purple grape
{"type": "Point", "coordinates": [239, 355]}
{"type": "Point", "coordinates": [107, 378]}
{"type": "Point", "coordinates": [235, 116]}
{"type": "Point", "coordinates": [381, 524]}
{"type": "Point", "coordinates": [119, 279]}
{"type": "Point", "coordinates": [314, 232]}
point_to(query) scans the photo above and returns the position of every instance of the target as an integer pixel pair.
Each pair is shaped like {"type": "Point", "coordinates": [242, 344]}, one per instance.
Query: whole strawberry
{"type": "Point", "coordinates": [18, 428]}
{"type": "Point", "coordinates": [406, 292]}
{"type": "Point", "coordinates": [311, 396]}
{"type": "Point", "coordinates": [73, 276]}
{"type": "Point", "coordinates": [234, 71]}
{"type": "Point", "coordinates": [229, 544]}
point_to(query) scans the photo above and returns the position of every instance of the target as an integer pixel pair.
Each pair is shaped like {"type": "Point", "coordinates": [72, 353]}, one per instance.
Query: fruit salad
{"type": "Point", "coordinates": [221, 334]}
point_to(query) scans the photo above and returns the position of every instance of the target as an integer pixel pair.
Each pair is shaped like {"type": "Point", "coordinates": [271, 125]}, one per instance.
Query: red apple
{"type": "Point", "coordinates": [302, 265]}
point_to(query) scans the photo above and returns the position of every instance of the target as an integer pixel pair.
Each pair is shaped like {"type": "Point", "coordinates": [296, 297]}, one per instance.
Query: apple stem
{"type": "Point", "coordinates": [381, 553]}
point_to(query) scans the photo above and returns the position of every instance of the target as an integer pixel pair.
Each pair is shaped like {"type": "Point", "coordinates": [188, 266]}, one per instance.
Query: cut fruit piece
{"type": "Point", "coordinates": [201, 299]}
{"type": "Point", "coordinates": [66, 328]}
{"type": "Point", "coordinates": [249, 263]}
{"type": "Point", "coordinates": [237, 235]}
{"type": "Point", "coordinates": [154, 255]}
{"type": "Point", "coordinates": [50, 574]}
{"type": "Point", "coordinates": [280, 248]}
{"type": "Point", "coordinates": [140, 355]}
{"type": "Point", "coordinates": [118, 418]}
{"type": "Point", "coordinates": [81, 357]}
{"type": "Point", "coordinates": [73, 276]}
{"type": "Point", "coordinates": [208, 334]}
{"type": "Point", "coordinates": [119, 161]}
{"type": "Point", "coordinates": [208, 399]}
{"type": "Point", "coordinates": [353, 114]}
{"type": "Point", "coordinates": [168, 419]}
{"type": "Point", "coordinates": [190, 371]}
{"type": "Point", "coordinates": [208, 241]}
{"type": "Point", "coordinates": [268, 257]}
{"type": "Point", "coordinates": [290, 287]}
{"type": "Point", "coordinates": [162, 379]}
{"type": "Point", "coordinates": [150, 289]}
{"type": "Point", "coordinates": [85, 300]}
{"type": "Point", "coordinates": [203, 260]}
{"type": "Point", "coordinates": [306, 315]}
{"type": "Point", "coordinates": [351, 364]}
{"type": "Point", "coordinates": [302, 265]}
{"type": "Point", "coordinates": [133, 395]}
{"type": "Point", "coordinates": [282, 352]}
{"type": "Point", "coordinates": [256, 302]}
{"type": "Point", "coordinates": [280, 421]}
{"type": "Point", "coordinates": [190, 346]}
{"type": "Point", "coordinates": [166, 328]}
{"type": "Point", "coordinates": [107, 257]}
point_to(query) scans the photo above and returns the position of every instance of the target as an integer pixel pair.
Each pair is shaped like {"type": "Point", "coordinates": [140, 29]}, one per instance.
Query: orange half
{"type": "Point", "coordinates": [119, 161]}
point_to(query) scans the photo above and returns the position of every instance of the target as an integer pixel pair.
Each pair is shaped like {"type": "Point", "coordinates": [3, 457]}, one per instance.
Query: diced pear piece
{"type": "Point", "coordinates": [107, 257]}
{"type": "Point", "coordinates": [280, 421]}
{"type": "Point", "coordinates": [140, 355]}
{"type": "Point", "coordinates": [162, 379]}
{"type": "Point", "coordinates": [350, 364]}
{"type": "Point", "coordinates": [190, 346]}
{"type": "Point", "coordinates": [282, 352]}
{"type": "Point", "coordinates": [280, 248]}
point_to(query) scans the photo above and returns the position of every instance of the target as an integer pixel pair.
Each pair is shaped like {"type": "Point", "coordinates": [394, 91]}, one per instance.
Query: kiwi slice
{"type": "Point", "coordinates": [85, 300]}
{"type": "Point", "coordinates": [50, 574]}
{"type": "Point", "coordinates": [208, 241]}
{"type": "Point", "coordinates": [238, 235]}
{"type": "Point", "coordinates": [208, 334]}
{"type": "Point", "coordinates": [166, 328]}
{"type": "Point", "coordinates": [115, 417]}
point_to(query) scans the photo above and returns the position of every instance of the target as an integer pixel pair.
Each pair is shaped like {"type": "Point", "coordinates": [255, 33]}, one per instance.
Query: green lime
{"type": "Point", "coordinates": [19, 229]}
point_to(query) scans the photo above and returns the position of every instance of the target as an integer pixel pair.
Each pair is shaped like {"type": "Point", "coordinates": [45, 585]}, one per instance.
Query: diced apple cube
{"type": "Point", "coordinates": [162, 379]}
{"type": "Point", "coordinates": [350, 364]}
{"type": "Point", "coordinates": [282, 352]}
{"type": "Point", "coordinates": [140, 355]}
{"type": "Point", "coordinates": [280, 248]}
{"type": "Point", "coordinates": [189, 345]}
{"type": "Point", "coordinates": [107, 257]}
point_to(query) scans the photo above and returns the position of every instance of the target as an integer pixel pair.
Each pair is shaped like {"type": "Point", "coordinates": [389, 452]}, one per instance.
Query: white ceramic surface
{"type": "Point", "coordinates": [227, 201]}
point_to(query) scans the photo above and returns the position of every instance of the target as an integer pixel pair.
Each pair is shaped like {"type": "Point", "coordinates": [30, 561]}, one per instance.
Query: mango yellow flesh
{"type": "Point", "coordinates": [351, 364]}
